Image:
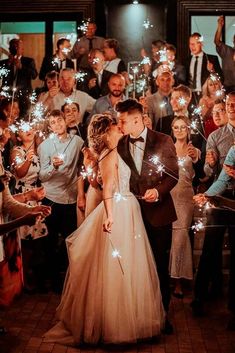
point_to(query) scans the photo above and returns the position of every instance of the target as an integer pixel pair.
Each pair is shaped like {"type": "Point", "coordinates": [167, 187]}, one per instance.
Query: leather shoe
{"type": "Point", "coordinates": [168, 329]}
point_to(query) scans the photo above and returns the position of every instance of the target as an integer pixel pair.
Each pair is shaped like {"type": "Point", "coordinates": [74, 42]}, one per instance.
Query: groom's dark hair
{"type": "Point", "coordinates": [129, 106]}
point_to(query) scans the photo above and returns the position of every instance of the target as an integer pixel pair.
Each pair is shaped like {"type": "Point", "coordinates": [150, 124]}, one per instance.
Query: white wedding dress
{"type": "Point", "coordinates": [100, 303]}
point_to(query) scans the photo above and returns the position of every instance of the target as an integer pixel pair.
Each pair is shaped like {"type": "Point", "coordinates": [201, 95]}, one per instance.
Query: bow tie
{"type": "Point", "coordinates": [133, 140]}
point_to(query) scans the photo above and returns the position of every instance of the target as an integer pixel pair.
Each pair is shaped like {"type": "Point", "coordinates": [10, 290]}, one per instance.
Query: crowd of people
{"type": "Point", "coordinates": [103, 184]}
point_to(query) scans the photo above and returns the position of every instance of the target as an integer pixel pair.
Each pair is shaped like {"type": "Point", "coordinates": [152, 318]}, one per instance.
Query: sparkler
{"type": "Point", "coordinates": [5, 92]}
{"type": "Point", "coordinates": [4, 72]}
{"type": "Point", "coordinates": [116, 254]}
{"type": "Point", "coordinates": [147, 24]}
{"type": "Point", "coordinates": [198, 226]}
{"type": "Point", "coordinates": [84, 25]}
{"type": "Point", "coordinates": [79, 76]}
{"type": "Point", "coordinates": [119, 197]}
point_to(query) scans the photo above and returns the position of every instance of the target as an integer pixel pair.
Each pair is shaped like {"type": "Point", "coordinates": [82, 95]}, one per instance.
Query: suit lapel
{"type": "Point", "coordinates": [125, 153]}
{"type": "Point", "coordinates": [148, 151]}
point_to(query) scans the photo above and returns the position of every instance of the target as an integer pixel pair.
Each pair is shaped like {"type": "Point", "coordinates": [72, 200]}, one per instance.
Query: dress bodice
{"type": "Point", "coordinates": [186, 170]}
{"type": "Point", "coordinates": [32, 175]}
{"type": "Point", "coordinates": [124, 175]}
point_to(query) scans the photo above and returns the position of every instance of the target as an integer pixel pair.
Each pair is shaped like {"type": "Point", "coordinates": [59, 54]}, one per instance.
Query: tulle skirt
{"type": "Point", "coordinates": [111, 292]}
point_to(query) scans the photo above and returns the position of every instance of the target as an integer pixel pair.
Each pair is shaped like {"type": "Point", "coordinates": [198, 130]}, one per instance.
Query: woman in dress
{"type": "Point", "coordinates": [111, 293]}
{"type": "Point", "coordinates": [182, 194]}
{"type": "Point", "coordinates": [212, 90]}
{"type": "Point", "coordinates": [25, 167]}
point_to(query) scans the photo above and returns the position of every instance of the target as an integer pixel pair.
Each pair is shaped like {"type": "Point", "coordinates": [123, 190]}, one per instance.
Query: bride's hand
{"type": "Point", "coordinates": [107, 225]}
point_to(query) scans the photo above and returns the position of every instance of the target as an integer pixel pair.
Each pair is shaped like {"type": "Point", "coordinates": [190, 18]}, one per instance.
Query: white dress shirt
{"type": "Point", "coordinates": [137, 150]}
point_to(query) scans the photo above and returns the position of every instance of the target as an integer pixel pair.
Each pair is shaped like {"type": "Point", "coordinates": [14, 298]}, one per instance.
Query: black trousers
{"type": "Point", "coordinates": [210, 264]}
{"type": "Point", "coordinates": [160, 241]}
{"type": "Point", "coordinates": [61, 223]}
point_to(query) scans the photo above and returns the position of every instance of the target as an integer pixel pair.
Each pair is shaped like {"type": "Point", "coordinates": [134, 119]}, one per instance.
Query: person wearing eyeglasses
{"type": "Point", "coordinates": [181, 266]}
{"type": "Point", "coordinates": [219, 114]}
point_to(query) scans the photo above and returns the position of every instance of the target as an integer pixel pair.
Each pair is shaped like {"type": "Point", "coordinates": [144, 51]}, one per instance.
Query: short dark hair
{"type": "Point", "coordinates": [65, 104]}
{"type": "Point", "coordinates": [196, 35]}
{"type": "Point", "coordinates": [112, 43]}
{"type": "Point", "coordinates": [129, 106]}
{"type": "Point", "coordinates": [61, 41]}
{"type": "Point", "coordinates": [55, 112]}
{"type": "Point", "coordinates": [52, 74]}
{"type": "Point", "coordinates": [158, 43]}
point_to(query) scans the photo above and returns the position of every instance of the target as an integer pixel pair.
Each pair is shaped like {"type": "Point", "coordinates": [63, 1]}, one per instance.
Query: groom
{"type": "Point", "coordinates": [139, 149]}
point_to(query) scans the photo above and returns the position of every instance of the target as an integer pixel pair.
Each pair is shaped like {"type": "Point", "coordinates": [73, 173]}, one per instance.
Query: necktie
{"type": "Point", "coordinates": [90, 43]}
{"type": "Point", "coordinates": [167, 105]}
{"type": "Point", "coordinates": [195, 73]}
{"type": "Point", "coordinates": [133, 140]}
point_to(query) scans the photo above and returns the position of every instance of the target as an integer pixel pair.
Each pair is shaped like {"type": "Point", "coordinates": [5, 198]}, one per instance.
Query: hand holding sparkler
{"type": "Point", "coordinates": [211, 158]}
{"type": "Point", "coordinates": [57, 161]}
{"type": "Point", "coordinates": [92, 82]}
{"type": "Point", "coordinates": [30, 155]}
{"type": "Point", "coordinates": [36, 194]}
{"type": "Point", "coordinates": [151, 195]}
{"type": "Point", "coordinates": [192, 151]}
{"type": "Point", "coordinates": [107, 225]}
{"type": "Point", "coordinates": [200, 199]}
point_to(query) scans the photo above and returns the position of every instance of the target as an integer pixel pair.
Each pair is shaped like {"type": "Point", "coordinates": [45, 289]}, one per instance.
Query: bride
{"type": "Point", "coordinates": [111, 292]}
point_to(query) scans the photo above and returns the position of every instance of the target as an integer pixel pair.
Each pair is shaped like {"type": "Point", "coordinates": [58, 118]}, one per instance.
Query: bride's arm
{"type": "Point", "coordinates": [107, 169]}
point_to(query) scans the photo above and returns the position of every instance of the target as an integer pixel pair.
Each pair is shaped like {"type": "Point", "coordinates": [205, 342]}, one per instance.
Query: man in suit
{"type": "Point", "coordinates": [201, 65]}
{"type": "Point", "coordinates": [158, 104]}
{"type": "Point", "coordinates": [21, 71]}
{"type": "Point", "coordinates": [140, 148]}
{"type": "Point", "coordinates": [59, 60]}
{"type": "Point", "coordinates": [84, 44]}
{"type": "Point", "coordinates": [95, 82]}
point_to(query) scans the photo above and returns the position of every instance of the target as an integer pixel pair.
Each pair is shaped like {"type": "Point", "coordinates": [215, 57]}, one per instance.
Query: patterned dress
{"type": "Point", "coordinates": [28, 182]}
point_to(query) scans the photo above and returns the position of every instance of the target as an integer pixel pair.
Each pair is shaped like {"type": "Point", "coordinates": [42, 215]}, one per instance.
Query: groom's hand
{"type": "Point", "coordinates": [151, 195]}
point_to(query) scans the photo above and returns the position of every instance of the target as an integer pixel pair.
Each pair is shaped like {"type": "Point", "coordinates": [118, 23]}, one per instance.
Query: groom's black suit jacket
{"type": "Point", "coordinates": [162, 212]}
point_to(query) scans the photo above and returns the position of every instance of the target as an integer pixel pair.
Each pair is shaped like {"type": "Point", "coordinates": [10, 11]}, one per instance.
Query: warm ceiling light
{"type": "Point", "coordinates": [135, 2]}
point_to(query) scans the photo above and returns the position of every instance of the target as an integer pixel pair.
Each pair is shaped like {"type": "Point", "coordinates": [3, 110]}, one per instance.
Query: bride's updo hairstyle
{"type": "Point", "coordinates": [97, 129]}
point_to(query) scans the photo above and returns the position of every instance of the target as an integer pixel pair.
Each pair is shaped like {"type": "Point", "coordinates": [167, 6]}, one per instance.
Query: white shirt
{"type": "Point", "coordinates": [199, 70]}
{"type": "Point", "coordinates": [137, 150]}
{"type": "Point", "coordinates": [85, 101]}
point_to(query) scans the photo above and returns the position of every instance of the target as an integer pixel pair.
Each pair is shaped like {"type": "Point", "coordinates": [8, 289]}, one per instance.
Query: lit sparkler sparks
{"type": "Point", "coordinates": [116, 253]}
{"type": "Point", "coordinates": [5, 92]}
{"type": "Point", "coordinates": [61, 156]}
{"type": "Point", "coordinates": [84, 25]}
{"type": "Point", "coordinates": [66, 50]}
{"type": "Point", "coordinates": [88, 172]}
{"type": "Point", "coordinates": [119, 197]}
{"type": "Point", "coordinates": [182, 101]}
{"type": "Point", "coordinates": [147, 24]}
{"type": "Point", "coordinates": [33, 97]}
{"type": "Point", "coordinates": [79, 76]}
{"type": "Point", "coordinates": [38, 111]}
{"type": "Point", "coordinates": [4, 72]}
{"type": "Point", "coordinates": [55, 61]}
{"type": "Point", "coordinates": [145, 61]}
{"type": "Point", "coordinates": [68, 101]}
{"type": "Point", "coordinates": [198, 226]}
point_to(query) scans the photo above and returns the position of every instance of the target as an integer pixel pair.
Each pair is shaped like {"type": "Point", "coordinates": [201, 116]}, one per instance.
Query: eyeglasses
{"type": "Point", "coordinates": [176, 128]}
